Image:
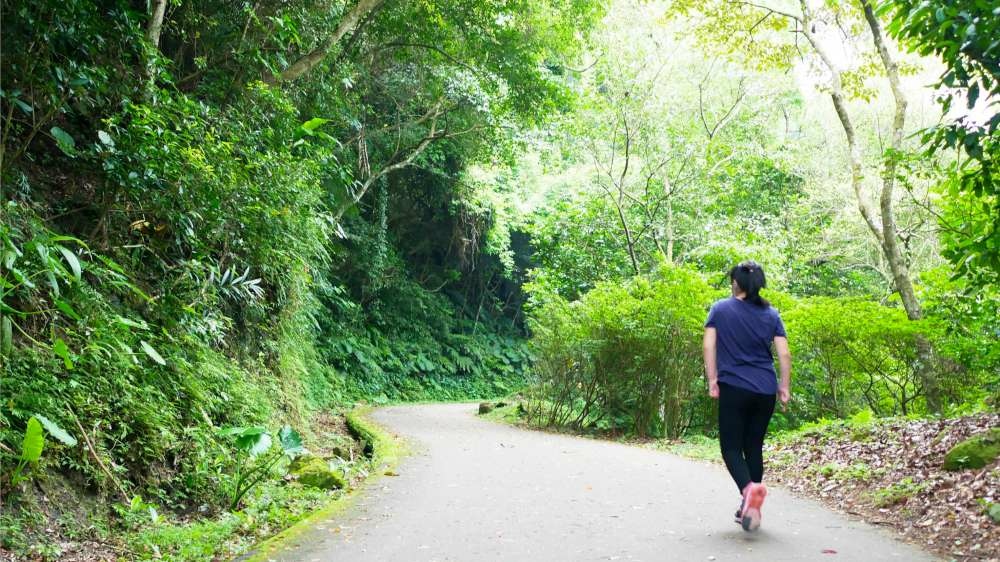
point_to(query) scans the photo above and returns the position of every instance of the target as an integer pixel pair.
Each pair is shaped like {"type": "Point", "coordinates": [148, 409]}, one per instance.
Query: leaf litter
{"type": "Point", "coordinates": [889, 473]}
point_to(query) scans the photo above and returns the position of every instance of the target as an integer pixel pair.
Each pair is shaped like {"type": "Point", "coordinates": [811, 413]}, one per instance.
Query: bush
{"type": "Point", "coordinates": [623, 357]}
{"type": "Point", "coordinates": [853, 354]}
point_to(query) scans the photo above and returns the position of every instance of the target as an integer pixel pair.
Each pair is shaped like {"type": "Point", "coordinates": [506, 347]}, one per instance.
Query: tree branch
{"type": "Point", "coordinates": [768, 9]}
{"type": "Point", "coordinates": [840, 106]}
{"type": "Point", "coordinates": [307, 62]}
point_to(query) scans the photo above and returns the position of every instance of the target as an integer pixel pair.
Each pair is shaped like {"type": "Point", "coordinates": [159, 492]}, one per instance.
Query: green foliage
{"type": "Point", "coordinates": [852, 354]}
{"type": "Point", "coordinates": [188, 243]}
{"type": "Point", "coordinates": [34, 442]}
{"type": "Point", "coordinates": [179, 239]}
{"type": "Point", "coordinates": [991, 508]}
{"type": "Point", "coordinates": [963, 36]}
{"type": "Point", "coordinates": [54, 430]}
{"type": "Point", "coordinates": [254, 458]}
{"type": "Point", "coordinates": [576, 247]}
{"type": "Point", "coordinates": [409, 346]}
{"type": "Point", "coordinates": [695, 446]}
{"type": "Point", "coordinates": [272, 505]}
{"type": "Point", "coordinates": [897, 493]}
{"type": "Point", "coordinates": [31, 448]}
{"type": "Point", "coordinates": [623, 357]}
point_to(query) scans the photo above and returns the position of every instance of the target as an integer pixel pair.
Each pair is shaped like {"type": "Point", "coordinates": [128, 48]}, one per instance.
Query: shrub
{"type": "Point", "coordinates": [852, 354]}
{"type": "Point", "coordinates": [623, 357]}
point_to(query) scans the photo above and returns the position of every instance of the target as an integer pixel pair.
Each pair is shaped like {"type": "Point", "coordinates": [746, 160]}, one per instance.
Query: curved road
{"type": "Point", "coordinates": [477, 490]}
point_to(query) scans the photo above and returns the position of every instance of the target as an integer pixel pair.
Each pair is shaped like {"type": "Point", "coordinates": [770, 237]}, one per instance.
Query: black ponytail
{"type": "Point", "coordinates": [749, 277]}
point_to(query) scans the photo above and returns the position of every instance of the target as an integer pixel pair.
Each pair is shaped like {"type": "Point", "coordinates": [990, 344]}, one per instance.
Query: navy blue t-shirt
{"type": "Point", "coordinates": [744, 332]}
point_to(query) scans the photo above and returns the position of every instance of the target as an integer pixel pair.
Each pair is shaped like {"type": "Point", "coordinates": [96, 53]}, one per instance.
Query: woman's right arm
{"type": "Point", "coordinates": [785, 364]}
{"type": "Point", "coordinates": [711, 370]}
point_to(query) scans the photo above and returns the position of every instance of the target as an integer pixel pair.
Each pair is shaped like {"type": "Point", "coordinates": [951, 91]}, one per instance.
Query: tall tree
{"type": "Point", "coordinates": [964, 35]}
{"type": "Point", "coordinates": [748, 29]}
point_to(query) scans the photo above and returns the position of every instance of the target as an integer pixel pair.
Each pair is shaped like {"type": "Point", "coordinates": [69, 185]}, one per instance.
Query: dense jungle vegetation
{"type": "Point", "coordinates": [222, 218]}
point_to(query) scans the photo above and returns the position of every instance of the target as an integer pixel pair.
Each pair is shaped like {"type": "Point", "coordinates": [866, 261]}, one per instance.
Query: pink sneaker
{"type": "Point", "coordinates": [754, 495]}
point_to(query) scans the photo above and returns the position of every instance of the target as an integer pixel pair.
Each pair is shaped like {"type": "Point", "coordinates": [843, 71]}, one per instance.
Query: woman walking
{"type": "Point", "coordinates": [739, 365]}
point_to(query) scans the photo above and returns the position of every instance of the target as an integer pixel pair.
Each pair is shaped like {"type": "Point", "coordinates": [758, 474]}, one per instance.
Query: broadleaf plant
{"type": "Point", "coordinates": [254, 460]}
{"type": "Point", "coordinates": [34, 443]}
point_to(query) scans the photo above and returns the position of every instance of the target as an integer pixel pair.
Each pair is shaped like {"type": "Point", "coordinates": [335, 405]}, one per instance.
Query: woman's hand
{"type": "Point", "coordinates": [784, 395]}
{"type": "Point", "coordinates": [713, 389]}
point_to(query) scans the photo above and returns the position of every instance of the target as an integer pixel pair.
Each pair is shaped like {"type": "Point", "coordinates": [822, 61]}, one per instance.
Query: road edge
{"type": "Point", "coordinates": [388, 450]}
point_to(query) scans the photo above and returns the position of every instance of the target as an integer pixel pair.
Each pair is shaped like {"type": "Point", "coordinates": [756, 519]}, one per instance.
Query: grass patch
{"type": "Point", "coordinates": [509, 413]}
{"type": "Point", "coordinates": [897, 493]}
{"type": "Point", "coordinates": [858, 471]}
{"type": "Point", "coordinates": [698, 447]}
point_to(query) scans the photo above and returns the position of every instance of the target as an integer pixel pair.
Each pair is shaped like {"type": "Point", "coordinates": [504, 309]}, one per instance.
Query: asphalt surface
{"type": "Point", "coordinates": [474, 490]}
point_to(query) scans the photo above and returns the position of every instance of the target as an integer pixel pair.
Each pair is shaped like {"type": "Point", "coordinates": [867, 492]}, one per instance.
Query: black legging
{"type": "Point", "coordinates": [743, 419]}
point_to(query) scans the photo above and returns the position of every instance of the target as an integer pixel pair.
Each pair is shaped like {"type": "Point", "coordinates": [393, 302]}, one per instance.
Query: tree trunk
{"type": "Point", "coordinates": [890, 234]}
{"type": "Point", "coordinates": [884, 228]}
{"type": "Point", "coordinates": [309, 61]}
{"type": "Point", "coordinates": [156, 22]}
{"type": "Point", "coordinates": [865, 205]}
{"type": "Point", "coordinates": [630, 245]}
{"type": "Point", "coordinates": [670, 232]}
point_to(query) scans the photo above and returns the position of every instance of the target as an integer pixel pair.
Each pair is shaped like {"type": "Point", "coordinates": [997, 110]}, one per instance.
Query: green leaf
{"type": "Point", "coordinates": [67, 309]}
{"type": "Point", "coordinates": [994, 512]}
{"type": "Point", "coordinates": [261, 445]}
{"type": "Point", "coordinates": [131, 323]}
{"type": "Point", "coordinates": [24, 106]}
{"type": "Point", "coordinates": [60, 348]}
{"type": "Point", "coordinates": [291, 441]}
{"type": "Point", "coordinates": [55, 431]}
{"type": "Point", "coordinates": [72, 260]}
{"type": "Point", "coordinates": [151, 352]}
{"type": "Point", "coordinates": [52, 281]}
{"type": "Point", "coordinates": [242, 431]}
{"type": "Point", "coordinates": [64, 140]}
{"type": "Point", "coordinates": [34, 441]}
{"type": "Point", "coordinates": [63, 238]}
{"type": "Point", "coordinates": [21, 277]}
{"type": "Point", "coordinates": [310, 126]}
{"type": "Point", "coordinates": [105, 138]}
{"type": "Point", "coordinates": [254, 444]}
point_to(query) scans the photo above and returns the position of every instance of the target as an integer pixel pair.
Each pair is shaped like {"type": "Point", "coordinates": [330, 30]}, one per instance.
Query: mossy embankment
{"type": "Point", "coordinates": [383, 451]}
{"type": "Point", "coordinates": [57, 518]}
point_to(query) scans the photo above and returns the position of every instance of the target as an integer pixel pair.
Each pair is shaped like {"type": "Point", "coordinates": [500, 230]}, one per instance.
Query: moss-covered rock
{"type": "Point", "coordinates": [315, 472]}
{"type": "Point", "coordinates": [975, 452]}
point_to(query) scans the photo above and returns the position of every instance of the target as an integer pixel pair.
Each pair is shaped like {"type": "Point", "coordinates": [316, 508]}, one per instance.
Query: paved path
{"type": "Point", "coordinates": [480, 491]}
